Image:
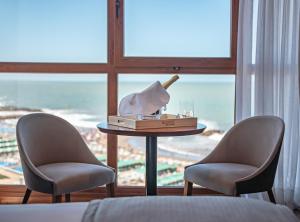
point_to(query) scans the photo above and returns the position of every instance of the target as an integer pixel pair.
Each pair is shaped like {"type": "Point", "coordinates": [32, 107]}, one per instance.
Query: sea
{"type": "Point", "coordinates": [82, 98]}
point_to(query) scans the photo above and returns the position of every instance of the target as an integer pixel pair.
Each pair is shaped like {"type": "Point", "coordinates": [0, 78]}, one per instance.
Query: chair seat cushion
{"type": "Point", "coordinates": [70, 177]}
{"type": "Point", "coordinates": [219, 177]}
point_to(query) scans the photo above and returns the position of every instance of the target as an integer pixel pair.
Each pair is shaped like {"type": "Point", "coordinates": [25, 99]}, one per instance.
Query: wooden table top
{"type": "Point", "coordinates": [180, 131]}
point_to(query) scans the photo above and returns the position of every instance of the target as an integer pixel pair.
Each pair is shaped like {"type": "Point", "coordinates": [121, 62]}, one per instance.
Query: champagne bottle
{"type": "Point", "coordinates": [169, 82]}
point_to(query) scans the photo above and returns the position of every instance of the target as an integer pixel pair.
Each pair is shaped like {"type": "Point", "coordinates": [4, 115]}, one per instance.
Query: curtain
{"type": "Point", "coordinates": [267, 80]}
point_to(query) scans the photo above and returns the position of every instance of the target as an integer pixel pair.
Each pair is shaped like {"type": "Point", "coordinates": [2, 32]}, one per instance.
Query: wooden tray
{"type": "Point", "coordinates": [165, 121]}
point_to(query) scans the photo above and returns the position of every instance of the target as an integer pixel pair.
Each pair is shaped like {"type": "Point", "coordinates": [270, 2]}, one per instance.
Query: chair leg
{"type": "Point", "coordinates": [68, 197]}
{"type": "Point", "coordinates": [56, 198]}
{"type": "Point", "coordinates": [271, 196]}
{"type": "Point", "coordinates": [188, 188]}
{"type": "Point", "coordinates": [26, 196]}
{"type": "Point", "coordinates": [110, 188]}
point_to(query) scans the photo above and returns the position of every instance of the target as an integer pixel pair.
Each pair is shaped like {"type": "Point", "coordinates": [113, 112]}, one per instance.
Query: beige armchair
{"type": "Point", "coordinates": [244, 161]}
{"type": "Point", "coordinates": [56, 160]}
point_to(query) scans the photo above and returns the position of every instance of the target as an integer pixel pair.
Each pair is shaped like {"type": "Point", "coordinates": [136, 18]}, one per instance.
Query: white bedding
{"type": "Point", "coordinates": [148, 209]}
{"type": "Point", "coordinates": [186, 209]}
{"type": "Point", "coordinates": [65, 212]}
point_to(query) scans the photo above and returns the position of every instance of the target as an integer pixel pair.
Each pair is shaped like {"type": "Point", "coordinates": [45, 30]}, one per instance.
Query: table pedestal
{"type": "Point", "coordinates": [151, 145]}
{"type": "Point", "coordinates": [151, 165]}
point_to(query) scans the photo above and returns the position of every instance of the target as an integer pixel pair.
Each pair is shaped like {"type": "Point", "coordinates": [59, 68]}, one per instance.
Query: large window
{"type": "Point", "coordinates": [52, 54]}
{"type": "Point", "coordinates": [80, 99]}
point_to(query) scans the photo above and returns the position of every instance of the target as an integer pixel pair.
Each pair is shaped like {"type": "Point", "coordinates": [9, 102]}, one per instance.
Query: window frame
{"type": "Point", "coordinates": [117, 63]}
{"type": "Point", "coordinates": [177, 63]}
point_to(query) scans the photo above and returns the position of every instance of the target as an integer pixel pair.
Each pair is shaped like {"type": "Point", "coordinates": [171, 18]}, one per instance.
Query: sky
{"type": "Point", "coordinates": [76, 30]}
{"type": "Point", "coordinates": [53, 30]}
{"type": "Point", "coordinates": [186, 28]}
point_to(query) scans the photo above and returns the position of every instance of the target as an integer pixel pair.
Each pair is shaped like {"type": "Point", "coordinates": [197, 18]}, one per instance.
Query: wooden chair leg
{"type": "Point", "coordinates": [188, 188]}
{"type": "Point", "coordinates": [68, 197]}
{"type": "Point", "coordinates": [271, 196]}
{"type": "Point", "coordinates": [26, 196]}
{"type": "Point", "coordinates": [56, 198]}
{"type": "Point", "coordinates": [110, 188]}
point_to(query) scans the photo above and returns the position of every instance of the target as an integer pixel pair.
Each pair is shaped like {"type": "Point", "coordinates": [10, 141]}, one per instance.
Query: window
{"type": "Point", "coordinates": [53, 31]}
{"type": "Point", "coordinates": [80, 99]}
{"type": "Point", "coordinates": [177, 34]}
{"type": "Point", "coordinates": [212, 99]}
{"type": "Point", "coordinates": [52, 54]}
{"type": "Point", "coordinates": [175, 28]}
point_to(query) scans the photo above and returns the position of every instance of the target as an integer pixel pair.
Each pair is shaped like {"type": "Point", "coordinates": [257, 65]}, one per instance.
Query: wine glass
{"type": "Point", "coordinates": [186, 108]}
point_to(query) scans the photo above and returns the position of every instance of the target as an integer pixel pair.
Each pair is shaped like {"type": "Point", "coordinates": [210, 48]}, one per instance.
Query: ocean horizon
{"type": "Point", "coordinates": [82, 99]}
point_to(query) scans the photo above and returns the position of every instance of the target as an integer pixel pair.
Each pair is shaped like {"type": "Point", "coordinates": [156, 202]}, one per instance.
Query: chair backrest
{"type": "Point", "coordinates": [253, 141]}
{"type": "Point", "coordinates": [44, 139]}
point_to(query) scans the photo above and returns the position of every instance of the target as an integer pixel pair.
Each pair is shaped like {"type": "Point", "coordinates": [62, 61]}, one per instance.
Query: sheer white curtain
{"type": "Point", "coordinates": [268, 80]}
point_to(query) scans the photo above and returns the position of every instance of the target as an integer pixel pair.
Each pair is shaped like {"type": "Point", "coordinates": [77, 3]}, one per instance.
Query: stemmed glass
{"type": "Point", "coordinates": [186, 109]}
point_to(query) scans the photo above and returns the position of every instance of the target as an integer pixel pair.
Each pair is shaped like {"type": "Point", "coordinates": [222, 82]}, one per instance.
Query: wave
{"type": "Point", "coordinates": [77, 119]}
{"type": "Point", "coordinates": [210, 125]}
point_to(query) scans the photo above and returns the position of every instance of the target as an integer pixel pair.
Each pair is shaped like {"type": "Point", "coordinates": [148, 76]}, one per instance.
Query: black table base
{"type": "Point", "coordinates": [151, 165]}
{"type": "Point", "coordinates": [151, 145]}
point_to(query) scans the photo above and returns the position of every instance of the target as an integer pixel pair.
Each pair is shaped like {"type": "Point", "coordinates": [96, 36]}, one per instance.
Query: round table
{"type": "Point", "coordinates": [151, 145]}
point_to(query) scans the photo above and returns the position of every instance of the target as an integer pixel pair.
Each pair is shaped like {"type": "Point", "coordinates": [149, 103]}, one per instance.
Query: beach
{"type": "Point", "coordinates": [173, 153]}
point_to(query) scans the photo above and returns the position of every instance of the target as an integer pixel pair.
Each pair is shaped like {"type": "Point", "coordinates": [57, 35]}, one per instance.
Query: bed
{"type": "Point", "coordinates": [151, 209]}
{"type": "Point", "coordinates": [65, 212]}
